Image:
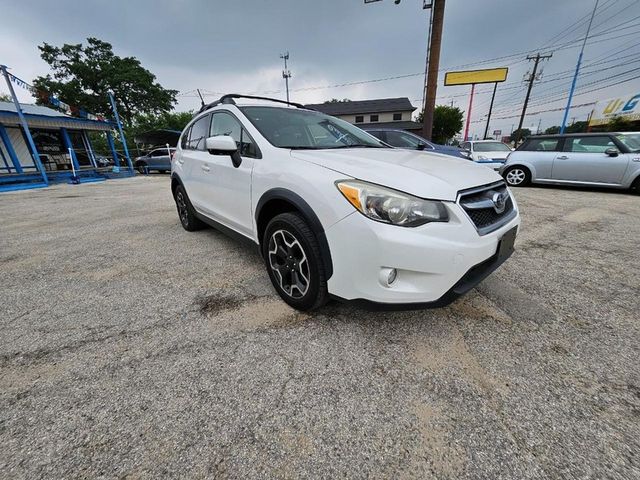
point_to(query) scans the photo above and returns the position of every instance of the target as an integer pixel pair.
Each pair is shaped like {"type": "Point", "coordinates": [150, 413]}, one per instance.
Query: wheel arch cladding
{"type": "Point", "coordinates": [175, 181]}
{"type": "Point", "coordinates": [280, 200]}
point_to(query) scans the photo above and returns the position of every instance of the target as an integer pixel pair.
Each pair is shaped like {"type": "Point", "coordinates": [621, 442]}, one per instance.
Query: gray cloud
{"type": "Point", "coordinates": [228, 45]}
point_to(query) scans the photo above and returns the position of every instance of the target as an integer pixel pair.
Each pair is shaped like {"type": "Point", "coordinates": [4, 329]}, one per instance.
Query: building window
{"type": "Point", "coordinates": [373, 118]}
{"type": "Point", "coordinates": [397, 116]}
{"type": "Point", "coordinates": [359, 119]}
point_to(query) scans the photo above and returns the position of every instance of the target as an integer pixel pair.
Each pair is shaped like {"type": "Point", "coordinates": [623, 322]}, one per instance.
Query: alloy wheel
{"type": "Point", "coordinates": [289, 264]}
{"type": "Point", "coordinates": [182, 208]}
{"type": "Point", "coordinates": [515, 176]}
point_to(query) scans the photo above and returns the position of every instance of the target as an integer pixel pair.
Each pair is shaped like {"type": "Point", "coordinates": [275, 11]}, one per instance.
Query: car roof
{"type": "Point", "coordinates": [585, 134]}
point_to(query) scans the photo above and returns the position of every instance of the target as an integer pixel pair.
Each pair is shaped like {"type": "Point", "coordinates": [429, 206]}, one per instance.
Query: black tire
{"type": "Point", "coordinates": [142, 168]}
{"type": "Point", "coordinates": [293, 227]}
{"type": "Point", "coordinates": [517, 176]}
{"type": "Point", "coordinates": [635, 186]}
{"type": "Point", "coordinates": [162, 171]}
{"type": "Point", "coordinates": [186, 213]}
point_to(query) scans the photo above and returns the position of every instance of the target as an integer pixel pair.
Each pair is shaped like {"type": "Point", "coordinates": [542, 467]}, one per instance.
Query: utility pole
{"type": "Point", "coordinates": [531, 79]}
{"type": "Point", "coordinates": [575, 75]}
{"type": "Point", "coordinates": [493, 97]}
{"type": "Point", "coordinates": [286, 74]}
{"type": "Point", "coordinates": [435, 41]}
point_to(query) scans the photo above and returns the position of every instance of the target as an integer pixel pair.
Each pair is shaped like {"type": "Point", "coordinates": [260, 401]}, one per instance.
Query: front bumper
{"type": "Point", "coordinates": [436, 263]}
{"type": "Point", "coordinates": [491, 163]}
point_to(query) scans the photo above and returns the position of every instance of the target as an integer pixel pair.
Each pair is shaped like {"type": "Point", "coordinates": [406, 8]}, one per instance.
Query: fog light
{"type": "Point", "coordinates": [388, 276]}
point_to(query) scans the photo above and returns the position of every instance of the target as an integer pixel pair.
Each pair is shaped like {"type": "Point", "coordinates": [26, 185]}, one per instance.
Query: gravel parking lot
{"type": "Point", "coordinates": [131, 348]}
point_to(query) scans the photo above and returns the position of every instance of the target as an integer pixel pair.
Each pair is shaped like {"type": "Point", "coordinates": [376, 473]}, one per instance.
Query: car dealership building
{"type": "Point", "coordinates": [63, 146]}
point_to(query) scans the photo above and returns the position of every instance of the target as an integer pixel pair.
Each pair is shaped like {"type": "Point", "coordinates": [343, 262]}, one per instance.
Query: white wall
{"type": "Point", "coordinates": [382, 117]}
{"type": "Point", "coordinates": [20, 147]}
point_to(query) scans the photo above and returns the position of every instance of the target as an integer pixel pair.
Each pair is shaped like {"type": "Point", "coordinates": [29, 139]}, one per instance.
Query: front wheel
{"type": "Point", "coordinates": [190, 222]}
{"type": "Point", "coordinates": [142, 168]}
{"type": "Point", "coordinates": [517, 176]}
{"type": "Point", "coordinates": [294, 263]}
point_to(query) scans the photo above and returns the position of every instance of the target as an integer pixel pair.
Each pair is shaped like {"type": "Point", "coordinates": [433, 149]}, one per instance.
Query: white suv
{"type": "Point", "coordinates": [334, 212]}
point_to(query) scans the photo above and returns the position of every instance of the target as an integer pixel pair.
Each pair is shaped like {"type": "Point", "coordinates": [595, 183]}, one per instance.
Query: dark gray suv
{"type": "Point", "coordinates": [591, 159]}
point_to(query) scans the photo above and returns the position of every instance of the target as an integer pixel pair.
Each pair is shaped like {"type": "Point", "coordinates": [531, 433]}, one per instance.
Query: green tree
{"type": "Point", "coordinates": [577, 127]}
{"type": "Point", "coordinates": [520, 134]}
{"type": "Point", "coordinates": [5, 97]}
{"type": "Point", "coordinates": [83, 76]}
{"type": "Point", "coordinates": [620, 124]}
{"type": "Point", "coordinates": [335, 100]}
{"type": "Point", "coordinates": [447, 122]}
{"type": "Point", "coordinates": [552, 130]}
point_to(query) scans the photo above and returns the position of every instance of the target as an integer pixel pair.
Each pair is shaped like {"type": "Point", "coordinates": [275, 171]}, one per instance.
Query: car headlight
{"type": "Point", "coordinates": [482, 157]}
{"type": "Point", "coordinates": [390, 206]}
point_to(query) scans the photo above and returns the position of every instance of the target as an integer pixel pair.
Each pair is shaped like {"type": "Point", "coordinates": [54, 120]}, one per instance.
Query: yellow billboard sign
{"type": "Point", "coordinates": [490, 75]}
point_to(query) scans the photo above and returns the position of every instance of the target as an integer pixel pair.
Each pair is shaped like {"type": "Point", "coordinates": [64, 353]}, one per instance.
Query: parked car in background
{"type": "Point", "coordinates": [335, 212]}
{"type": "Point", "coordinates": [595, 159]}
{"type": "Point", "coordinates": [489, 153]}
{"type": "Point", "coordinates": [411, 141]}
{"type": "Point", "coordinates": [158, 159]}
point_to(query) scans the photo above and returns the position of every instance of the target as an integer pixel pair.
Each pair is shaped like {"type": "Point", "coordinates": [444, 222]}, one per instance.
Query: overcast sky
{"type": "Point", "coordinates": [234, 46]}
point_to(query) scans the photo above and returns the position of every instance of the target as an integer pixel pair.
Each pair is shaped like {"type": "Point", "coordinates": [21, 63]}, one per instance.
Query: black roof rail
{"type": "Point", "coordinates": [228, 99]}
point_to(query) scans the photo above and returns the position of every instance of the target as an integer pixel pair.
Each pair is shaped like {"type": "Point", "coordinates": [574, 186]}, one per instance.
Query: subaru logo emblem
{"type": "Point", "coordinates": [499, 201]}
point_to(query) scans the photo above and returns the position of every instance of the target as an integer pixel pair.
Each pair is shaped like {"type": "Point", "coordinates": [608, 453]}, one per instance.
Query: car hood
{"type": "Point", "coordinates": [423, 175]}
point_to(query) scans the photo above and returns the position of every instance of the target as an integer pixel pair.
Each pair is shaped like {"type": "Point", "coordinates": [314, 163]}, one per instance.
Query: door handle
{"type": "Point", "coordinates": [205, 167]}
{"type": "Point", "coordinates": [563, 157]}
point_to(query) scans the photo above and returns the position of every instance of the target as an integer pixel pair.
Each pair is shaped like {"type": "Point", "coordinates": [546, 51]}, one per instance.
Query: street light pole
{"type": "Point", "coordinates": [575, 75]}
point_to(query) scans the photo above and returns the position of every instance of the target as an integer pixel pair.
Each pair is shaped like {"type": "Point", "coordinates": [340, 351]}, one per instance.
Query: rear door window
{"type": "Point", "coordinates": [541, 145]}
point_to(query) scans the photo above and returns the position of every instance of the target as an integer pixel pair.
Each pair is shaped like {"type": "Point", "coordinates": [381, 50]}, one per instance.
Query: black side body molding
{"type": "Point", "coordinates": [229, 232]}
{"type": "Point", "coordinates": [309, 215]}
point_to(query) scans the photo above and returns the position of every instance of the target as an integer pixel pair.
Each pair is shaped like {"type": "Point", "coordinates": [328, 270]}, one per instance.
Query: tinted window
{"type": "Point", "coordinates": [397, 116]}
{"type": "Point", "coordinates": [226, 124]}
{"type": "Point", "coordinates": [359, 119]}
{"type": "Point", "coordinates": [540, 145]}
{"type": "Point", "coordinates": [373, 118]}
{"type": "Point", "coordinates": [305, 129]}
{"type": "Point", "coordinates": [490, 147]}
{"type": "Point", "coordinates": [594, 144]}
{"type": "Point", "coordinates": [199, 132]}
{"type": "Point", "coordinates": [378, 134]}
{"type": "Point", "coordinates": [404, 140]}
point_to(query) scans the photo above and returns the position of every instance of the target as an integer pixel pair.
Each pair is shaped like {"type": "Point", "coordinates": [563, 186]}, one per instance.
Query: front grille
{"type": "Point", "coordinates": [479, 205]}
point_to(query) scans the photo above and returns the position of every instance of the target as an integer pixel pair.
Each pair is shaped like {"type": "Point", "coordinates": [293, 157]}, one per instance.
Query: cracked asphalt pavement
{"type": "Point", "coordinates": [130, 348]}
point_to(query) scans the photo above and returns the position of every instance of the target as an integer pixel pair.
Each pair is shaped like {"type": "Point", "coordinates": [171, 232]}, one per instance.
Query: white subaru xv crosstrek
{"type": "Point", "coordinates": [335, 212]}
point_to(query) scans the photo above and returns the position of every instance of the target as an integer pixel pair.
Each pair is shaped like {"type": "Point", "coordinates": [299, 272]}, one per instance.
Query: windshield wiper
{"type": "Point", "coordinates": [299, 147]}
{"type": "Point", "coordinates": [357, 145]}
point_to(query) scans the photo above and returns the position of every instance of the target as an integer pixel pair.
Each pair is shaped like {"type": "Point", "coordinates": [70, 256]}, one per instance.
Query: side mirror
{"type": "Point", "coordinates": [466, 153]}
{"type": "Point", "coordinates": [421, 146]}
{"type": "Point", "coordinates": [612, 152]}
{"type": "Point", "coordinates": [224, 145]}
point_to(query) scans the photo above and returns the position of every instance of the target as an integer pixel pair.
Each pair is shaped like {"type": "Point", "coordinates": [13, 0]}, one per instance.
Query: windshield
{"type": "Point", "coordinates": [631, 141]}
{"type": "Point", "coordinates": [304, 129]}
{"type": "Point", "coordinates": [491, 147]}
